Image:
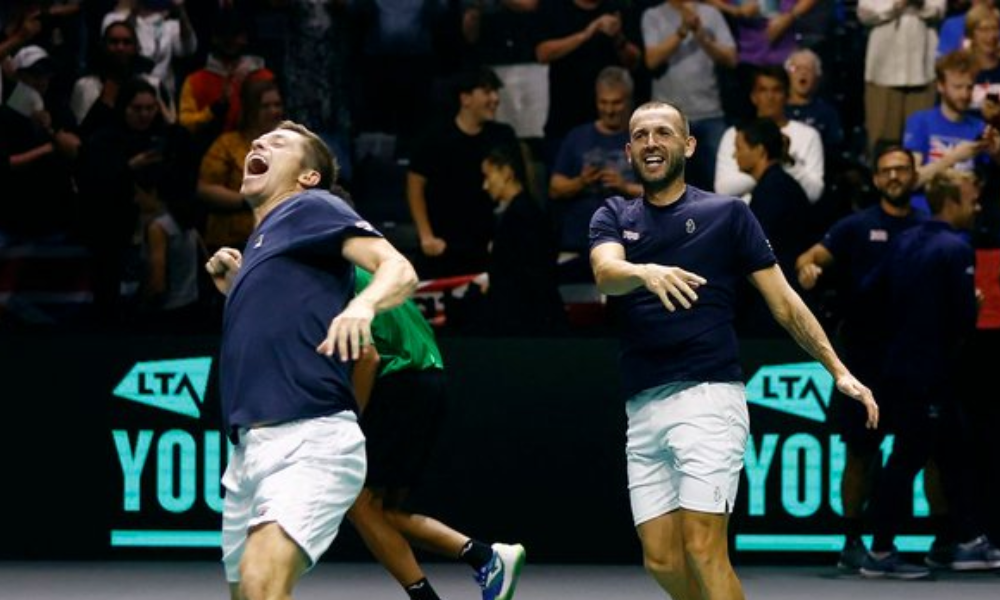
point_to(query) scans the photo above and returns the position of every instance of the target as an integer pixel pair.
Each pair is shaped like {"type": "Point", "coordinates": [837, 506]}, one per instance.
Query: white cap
{"type": "Point", "coordinates": [29, 56]}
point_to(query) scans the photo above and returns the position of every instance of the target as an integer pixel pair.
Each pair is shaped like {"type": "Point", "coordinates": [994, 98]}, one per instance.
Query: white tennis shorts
{"type": "Point", "coordinates": [685, 448]}
{"type": "Point", "coordinates": [303, 475]}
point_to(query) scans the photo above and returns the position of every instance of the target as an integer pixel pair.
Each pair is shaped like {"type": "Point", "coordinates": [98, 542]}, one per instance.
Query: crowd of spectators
{"type": "Point", "coordinates": [479, 136]}
{"type": "Point", "coordinates": [110, 104]}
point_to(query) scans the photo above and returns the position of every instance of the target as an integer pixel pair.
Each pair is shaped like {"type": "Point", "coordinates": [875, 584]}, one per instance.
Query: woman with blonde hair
{"type": "Point", "coordinates": [982, 40]}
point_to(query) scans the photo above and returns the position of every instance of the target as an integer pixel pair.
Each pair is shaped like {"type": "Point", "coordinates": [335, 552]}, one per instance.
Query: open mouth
{"type": "Point", "coordinates": [256, 165]}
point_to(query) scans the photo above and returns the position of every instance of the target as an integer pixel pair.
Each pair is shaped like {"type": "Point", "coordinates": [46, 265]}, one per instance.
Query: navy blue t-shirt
{"type": "Point", "coordinates": [925, 293]}
{"type": "Point", "coordinates": [294, 280]}
{"type": "Point", "coordinates": [714, 236]}
{"type": "Point", "coordinates": [857, 243]}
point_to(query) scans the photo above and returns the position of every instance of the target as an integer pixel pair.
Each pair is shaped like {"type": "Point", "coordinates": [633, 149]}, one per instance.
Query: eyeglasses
{"type": "Point", "coordinates": [890, 170]}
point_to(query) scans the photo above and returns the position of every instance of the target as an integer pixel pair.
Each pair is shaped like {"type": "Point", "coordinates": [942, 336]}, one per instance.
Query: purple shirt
{"type": "Point", "coordinates": [751, 37]}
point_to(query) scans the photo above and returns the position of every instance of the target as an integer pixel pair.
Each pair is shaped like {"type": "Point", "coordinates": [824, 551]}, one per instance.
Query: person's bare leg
{"type": "Point", "coordinates": [428, 533]}
{"type": "Point", "coordinates": [272, 564]}
{"type": "Point", "coordinates": [707, 549]}
{"type": "Point", "coordinates": [384, 541]}
{"type": "Point", "coordinates": [664, 558]}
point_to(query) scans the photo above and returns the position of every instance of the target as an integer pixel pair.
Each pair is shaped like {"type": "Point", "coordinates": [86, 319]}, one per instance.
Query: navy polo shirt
{"type": "Point", "coordinates": [294, 280]}
{"type": "Point", "coordinates": [857, 243]}
{"type": "Point", "coordinates": [711, 235]}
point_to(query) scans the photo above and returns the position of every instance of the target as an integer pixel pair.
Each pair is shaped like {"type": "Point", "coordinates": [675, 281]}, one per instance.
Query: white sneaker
{"type": "Point", "coordinates": [499, 576]}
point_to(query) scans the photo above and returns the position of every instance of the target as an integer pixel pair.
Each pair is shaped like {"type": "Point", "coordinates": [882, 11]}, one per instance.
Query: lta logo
{"type": "Point", "coordinates": [173, 385]}
{"type": "Point", "coordinates": [795, 473]}
{"type": "Point", "coordinates": [169, 472]}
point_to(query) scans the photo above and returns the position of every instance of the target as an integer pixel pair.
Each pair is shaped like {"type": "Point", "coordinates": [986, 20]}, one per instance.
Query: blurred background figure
{"type": "Point", "coordinates": [783, 210]}
{"type": "Point", "coordinates": [806, 104]}
{"type": "Point", "coordinates": [522, 294]}
{"type": "Point", "coordinates": [171, 255]}
{"type": "Point", "coordinates": [137, 139]}
{"type": "Point", "coordinates": [769, 96]}
{"type": "Point", "coordinates": [228, 219]}
{"type": "Point", "coordinates": [210, 96]}
{"type": "Point", "coordinates": [576, 39]}
{"type": "Point", "coordinates": [444, 183]}
{"type": "Point", "coordinates": [501, 35]}
{"type": "Point", "coordinates": [924, 301]}
{"type": "Point", "coordinates": [38, 199]}
{"type": "Point", "coordinates": [686, 44]}
{"type": "Point", "coordinates": [899, 64]}
{"type": "Point", "coordinates": [118, 60]}
{"type": "Point", "coordinates": [165, 34]}
{"type": "Point", "coordinates": [592, 165]}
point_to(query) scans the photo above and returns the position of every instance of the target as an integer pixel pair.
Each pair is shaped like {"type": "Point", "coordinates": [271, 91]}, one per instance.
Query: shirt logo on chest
{"type": "Point", "coordinates": [630, 236]}
{"type": "Point", "coordinates": [689, 226]}
{"type": "Point", "coordinates": [259, 242]}
{"type": "Point", "coordinates": [878, 235]}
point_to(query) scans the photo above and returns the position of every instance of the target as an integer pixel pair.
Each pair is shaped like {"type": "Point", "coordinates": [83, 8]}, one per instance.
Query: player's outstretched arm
{"type": "Point", "coordinates": [616, 276]}
{"type": "Point", "coordinates": [792, 313]}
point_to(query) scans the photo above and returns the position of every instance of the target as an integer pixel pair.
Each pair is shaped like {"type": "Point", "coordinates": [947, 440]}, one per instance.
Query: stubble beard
{"type": "Point", "coordinates": [901, 200]}
{"type": "Point", "coordinates": [675, 171]}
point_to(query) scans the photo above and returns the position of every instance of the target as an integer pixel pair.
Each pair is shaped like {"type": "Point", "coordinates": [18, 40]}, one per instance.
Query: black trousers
{"type": "Point", "coordinates": [927, 426]}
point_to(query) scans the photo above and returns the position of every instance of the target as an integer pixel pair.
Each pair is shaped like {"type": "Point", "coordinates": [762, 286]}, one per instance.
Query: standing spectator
{"type": "Point", "coordinates": [210, 96]}
{"type": "Point", "coordinates": [501, 35]}
{"type": "Point", "coordinates": [165, 32]}
{"type": "Point", "coordinates": [40, 143]}
{"type": "Point", "coordinates": [398, 59]}
{"type": "Point", "coordinates": [924, 297]}
{"type": "Point", "coordinates": [592, 165]}
{"type": "Point", "coordinates": [578, 38]}
{"type": "Point", "coordinates": [686, 42]}
{"type": "Point", "coordinates": [316, 40]}
{"type": "Point", "coordinates": [769, 96]}
{"type": "Point", "coordinates": [94, 95]}
{"type": "Point", "coordinates": [444, 185]}
{"type": "Point", "coordinates": [899, 64]}
{"type": "Point", "coordinates": [782, 208]}
{"type": "Point", "coordinates": [848, 252]}
{"type": "Point", "coordinates": [228, 219]}
{"type": "Point", "coordinates": [522, 297]}
{"type": "Point", "coordinates": [765, 36]}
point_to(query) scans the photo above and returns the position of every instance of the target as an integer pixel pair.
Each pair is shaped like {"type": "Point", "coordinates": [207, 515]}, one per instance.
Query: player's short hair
{"type": "Point", "coordinates": [318, 155]}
